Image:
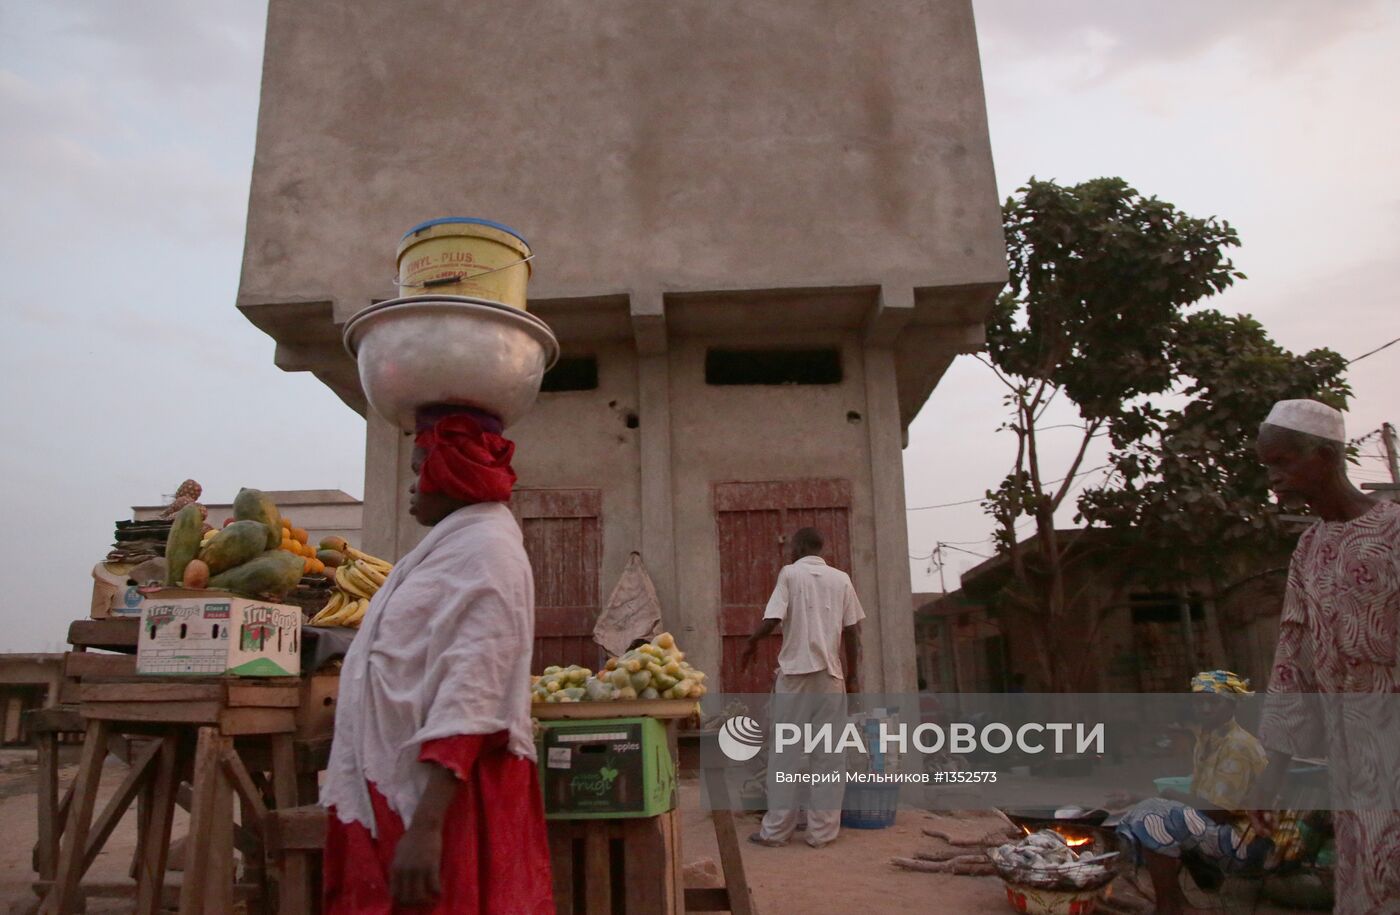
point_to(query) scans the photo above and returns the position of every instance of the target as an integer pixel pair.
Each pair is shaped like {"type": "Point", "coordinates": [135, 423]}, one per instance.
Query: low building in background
{"type": "Point", "coordinates": [960, 649]}
{"type": "Point", "coordinates": [320, 512]}
{"type": "Point", "coordinates": [1149, 633]}
{"type": "Point", "coordinates": [27, 682]}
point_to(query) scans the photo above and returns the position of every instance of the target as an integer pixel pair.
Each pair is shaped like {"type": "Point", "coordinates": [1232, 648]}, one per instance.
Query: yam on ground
{"type": "Point", "coordinates": [946, 854]}
{"type": "Point", "coordinates": [965, 866]}
{"type": "Point", "coordinates": [989, 840]}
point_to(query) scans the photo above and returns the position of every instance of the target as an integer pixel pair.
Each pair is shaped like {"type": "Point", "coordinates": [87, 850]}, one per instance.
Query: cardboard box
{"type": "Point", "coordinates": [111, 595]}
{"type": "Point", "coordinates": [215, 633]}
{"type": "Point", "coordinates": [606, 768]}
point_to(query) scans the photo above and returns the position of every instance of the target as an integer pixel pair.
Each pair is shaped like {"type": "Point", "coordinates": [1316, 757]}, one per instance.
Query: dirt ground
{"type": "Point", "coordinates": [852, 875]}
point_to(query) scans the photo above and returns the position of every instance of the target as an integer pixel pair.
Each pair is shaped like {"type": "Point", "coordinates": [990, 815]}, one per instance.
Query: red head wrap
{"type": "Point", "coordinates": [464, 460]}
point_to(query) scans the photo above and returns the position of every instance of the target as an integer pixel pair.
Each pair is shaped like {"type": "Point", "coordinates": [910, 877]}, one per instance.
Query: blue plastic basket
{"type": "Point", "coordinates": [869, 806]}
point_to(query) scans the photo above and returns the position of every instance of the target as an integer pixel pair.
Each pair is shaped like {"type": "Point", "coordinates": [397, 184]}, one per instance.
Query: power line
{"type": "Point", "coordinates": [1363, 439]}
{"type": "Point", "coordinates": [968, 552]}
{"type": "Point", "coordinates": [1374, 351]}
{"type": "Point", "coordinates": [922, 508]}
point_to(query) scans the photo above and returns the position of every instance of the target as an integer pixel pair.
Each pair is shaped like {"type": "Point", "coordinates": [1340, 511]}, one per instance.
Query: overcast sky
{"type": "Point", "coordinates": [127, 146]}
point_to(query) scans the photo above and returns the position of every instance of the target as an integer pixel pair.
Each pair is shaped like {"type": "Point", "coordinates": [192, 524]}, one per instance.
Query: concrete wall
{"type": "Point", "coordinates": [696, 144]}
{"type": "Point", "coordinates": [571, 439]}
{"type": "Point", "coordinates": [580, 439]}
{"type": "Point", "coordinates": [761, 433]}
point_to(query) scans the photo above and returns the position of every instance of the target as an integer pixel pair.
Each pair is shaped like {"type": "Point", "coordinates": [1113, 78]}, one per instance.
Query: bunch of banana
{"type": "Point", "coordinates": [342, 611]}
{"type": "Point", "coordinates": [357, 580]}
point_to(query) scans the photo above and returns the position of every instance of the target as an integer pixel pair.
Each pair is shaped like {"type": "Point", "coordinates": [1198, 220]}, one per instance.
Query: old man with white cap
{"type": "Point", "coordinates": [1338, 634]}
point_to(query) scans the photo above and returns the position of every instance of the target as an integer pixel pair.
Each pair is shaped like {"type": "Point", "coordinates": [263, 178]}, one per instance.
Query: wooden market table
{"type": "Point", "coordinates": [630, 865]}
{"type": "Point", "coordinates": [260, 742]}
{"type": "Point", "coordinates": [639, 859]}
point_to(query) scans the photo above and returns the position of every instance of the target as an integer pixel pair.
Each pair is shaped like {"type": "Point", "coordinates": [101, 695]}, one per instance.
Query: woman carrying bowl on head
{"type": "Point", "coordinates": [432, 788]}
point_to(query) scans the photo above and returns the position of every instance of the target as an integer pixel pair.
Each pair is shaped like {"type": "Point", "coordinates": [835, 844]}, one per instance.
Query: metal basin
{"type": "Point", "coordinates": [424, 350]}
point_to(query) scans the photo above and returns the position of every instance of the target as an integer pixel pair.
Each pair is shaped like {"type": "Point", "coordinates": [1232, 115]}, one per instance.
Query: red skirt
{"type": "Point", "coordinates": [495, 855]}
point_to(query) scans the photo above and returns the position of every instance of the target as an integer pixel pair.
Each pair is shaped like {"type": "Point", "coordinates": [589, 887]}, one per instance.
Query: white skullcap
{"type": "Point", "coordinates": [1310, 417]}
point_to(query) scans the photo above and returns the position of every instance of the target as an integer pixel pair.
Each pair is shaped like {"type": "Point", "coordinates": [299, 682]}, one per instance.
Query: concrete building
{"type": "Point", "coordinates": [763, 230]}
{"type": "Point", "coordinates": [27, 682]}
{"type": "Point", "coordinates": [321, 512]}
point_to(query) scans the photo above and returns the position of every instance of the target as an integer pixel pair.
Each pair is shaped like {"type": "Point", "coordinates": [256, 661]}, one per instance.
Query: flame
{"type": "Point", "coordinates": [1073, 840]}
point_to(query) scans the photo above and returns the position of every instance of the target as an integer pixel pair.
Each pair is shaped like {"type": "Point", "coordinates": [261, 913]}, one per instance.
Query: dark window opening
{"type": "Point", "coordinates": [1164, 607]}
{"type": "Point", "coordinates": [572, 373]}
{"type": "Point", "coordinates": [773, 366]}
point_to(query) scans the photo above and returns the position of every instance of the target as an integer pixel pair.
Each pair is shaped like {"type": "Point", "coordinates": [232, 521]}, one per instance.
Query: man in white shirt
{"type": "Point", "coordinates": [820, 615]}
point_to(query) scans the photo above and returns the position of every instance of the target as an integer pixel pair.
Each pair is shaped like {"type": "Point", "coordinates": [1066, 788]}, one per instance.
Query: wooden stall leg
{"type": "Point", "coordinates": [65, 896]}
{"type": "Point", "coordinates": [136, 776]}
{"type": "Point", "coordinates": [218, 887]}
{"type": "Point", "coordinates": [308, 788]}
{"type": "Point", "coordinates": [46, 852]}
{"type": "Point", "coordinates": [562, 865]}
{"type": "Point", "coordinates": [294, 890]}
{"type": "Point", "coordinates": [211, 830]}
{"type": "Point", "coordinates": [252, 817]}
{"type": "Point", "coordinates": [652, 880]}
{"type": "Point", "coordinates": [731, 859]}
{"type": "Point", "coordinates": [143, 826]}
{"type": "Point", "coordinates": [150, 877]}
{"type": "Point", "coordinates": [597, 868]}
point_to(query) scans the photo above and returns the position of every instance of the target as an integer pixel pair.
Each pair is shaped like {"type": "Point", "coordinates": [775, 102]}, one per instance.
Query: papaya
{"type": "Point", "coordinates": [234, 545]}
{"type": "Point", "coordinates": [196, 574]}
{"type": "Point", "coordinates": [182, 544]}
{"type": "Point", "coordinates": [272, 572]}
{"type": "Point", "coordinates": [256, 505]}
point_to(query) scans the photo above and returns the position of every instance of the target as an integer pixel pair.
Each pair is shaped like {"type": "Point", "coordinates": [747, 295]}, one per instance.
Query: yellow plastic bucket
{"type": "Point", "coordinates": [457, 255]}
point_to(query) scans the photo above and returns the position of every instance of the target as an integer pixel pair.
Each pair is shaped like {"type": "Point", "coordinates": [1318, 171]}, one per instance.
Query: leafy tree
{"type": "Point", "coordinates": [1096, 310]}
{"type": "Point", "coordinates": [1188, 491]}
{"type": "Point", "coordinates": [1099, 277]}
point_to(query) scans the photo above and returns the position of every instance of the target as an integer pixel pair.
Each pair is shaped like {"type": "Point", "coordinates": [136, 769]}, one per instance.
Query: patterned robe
{"type": "Point", "coordinates": [1338, 635]}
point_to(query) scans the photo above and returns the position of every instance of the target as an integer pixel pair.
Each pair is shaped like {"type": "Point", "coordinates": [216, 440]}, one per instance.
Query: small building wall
{"type": "Point", "coordinates": [27, 682]}
{"type": "Point", "coordinates": [320, 512]}
{"type": "Point", "coordinates": [1238, 630]}
{"type": "Point", "coordinates": [710, 435]}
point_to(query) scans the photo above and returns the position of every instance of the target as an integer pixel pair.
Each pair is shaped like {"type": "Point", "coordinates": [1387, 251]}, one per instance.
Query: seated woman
{"type": "Point", "coordinates": [1207, 822]}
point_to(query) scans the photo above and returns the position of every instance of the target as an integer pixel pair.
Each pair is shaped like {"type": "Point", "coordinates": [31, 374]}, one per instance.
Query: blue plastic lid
{"type": "Point", "coordinates": [463, 219]}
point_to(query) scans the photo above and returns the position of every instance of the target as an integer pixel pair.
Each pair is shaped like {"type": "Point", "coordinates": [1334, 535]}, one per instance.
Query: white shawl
{"type": "Point", "coordinates": [444, 650]}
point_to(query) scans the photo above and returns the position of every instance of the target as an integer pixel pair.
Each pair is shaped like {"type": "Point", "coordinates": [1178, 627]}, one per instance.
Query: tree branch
{"type": "Point", "coordinates": [1033, 410]}
{"type": "Point", "coordinates": [1032, 454]}
{"type": "Point", "coordinates": [988, 363]}
{"type": "Point", "coordinates": [1089, 431]}
{"type": "Point", "coordinates": [1048, 401]}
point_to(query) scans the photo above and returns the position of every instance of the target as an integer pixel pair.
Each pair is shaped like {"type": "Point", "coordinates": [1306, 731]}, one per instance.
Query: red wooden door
{"type": "Point", "coordinates": [755, 522]}
{"type": "Point", "coordinates": [564, 539]}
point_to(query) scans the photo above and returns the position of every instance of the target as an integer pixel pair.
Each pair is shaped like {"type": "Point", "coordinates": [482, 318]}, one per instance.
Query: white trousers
{"type": "Point", "coordinates": [824, 801]}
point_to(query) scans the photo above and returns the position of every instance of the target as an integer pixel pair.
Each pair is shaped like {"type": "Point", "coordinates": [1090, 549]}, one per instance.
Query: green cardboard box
{"type": "Point", "coordinates": [606, 768]}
